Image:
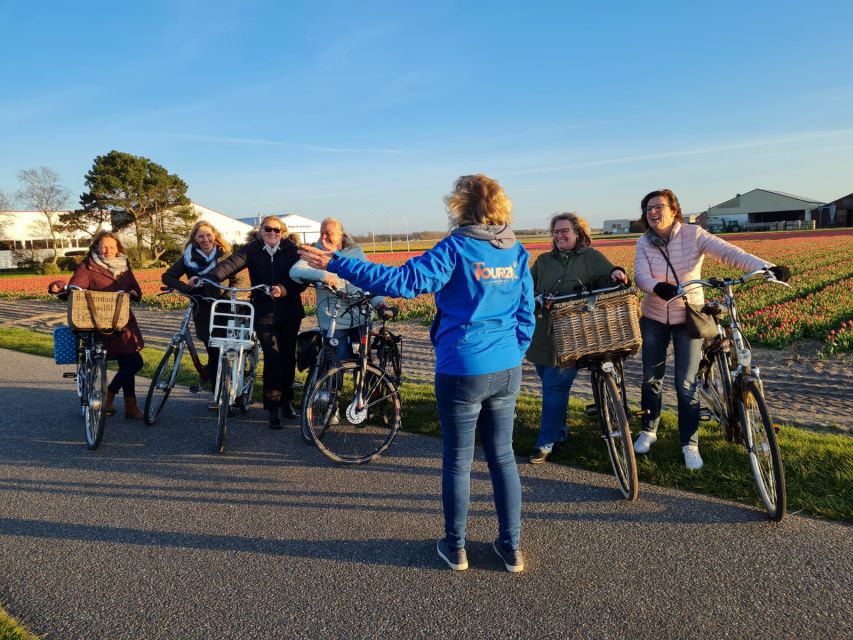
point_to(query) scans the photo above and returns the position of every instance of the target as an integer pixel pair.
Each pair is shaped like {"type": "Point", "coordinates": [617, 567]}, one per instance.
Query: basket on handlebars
{"type": "Point", "coordinates": [104, 311]}
{"type": "Point", "coordinates": [596, 326]}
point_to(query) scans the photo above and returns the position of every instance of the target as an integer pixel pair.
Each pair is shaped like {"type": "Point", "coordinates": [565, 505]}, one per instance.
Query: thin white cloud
{"type": "Point", "coordinates": [803, 136]}
{"type": "Point", "coordinates": [281, 143]}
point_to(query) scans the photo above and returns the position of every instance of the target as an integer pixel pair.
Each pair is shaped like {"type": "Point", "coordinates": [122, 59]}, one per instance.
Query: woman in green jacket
{"type": "Point", "coordinates": [571, 265]}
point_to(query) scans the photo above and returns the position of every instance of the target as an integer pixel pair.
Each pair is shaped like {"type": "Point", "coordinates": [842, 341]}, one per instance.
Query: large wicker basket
{"type": "Point", "coordinates": [605, 325]}
{"type": "Point", "coordinates": [111, 310]}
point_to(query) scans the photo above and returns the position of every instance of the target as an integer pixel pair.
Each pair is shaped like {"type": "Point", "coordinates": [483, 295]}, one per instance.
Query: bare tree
{"type": "Point", "coordinates": [5, 201]}
{"type": "Point", "coordinates": [42, 189]}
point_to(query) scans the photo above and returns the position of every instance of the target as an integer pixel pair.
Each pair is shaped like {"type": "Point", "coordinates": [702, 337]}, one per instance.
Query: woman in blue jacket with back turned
{"type": "Point", "coordinates": [484, 296]}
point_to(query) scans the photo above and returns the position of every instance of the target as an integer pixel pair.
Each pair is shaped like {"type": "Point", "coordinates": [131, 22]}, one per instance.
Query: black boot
{"type": "Point", "coordinates": [288, 411]}
{"type": "Point", "coordinates": [275, 421]}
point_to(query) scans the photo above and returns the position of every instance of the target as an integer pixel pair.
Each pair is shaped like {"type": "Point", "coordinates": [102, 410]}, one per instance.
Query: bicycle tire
{"type": "Point", "coordinates": [250, 373]}
{"type": "Point", "coordinates": [162, 384]}
{"type": "Point", "coordinates": [387, 353]}
{"type": "Point", "coordinates": [224, 404]}
{"type": "Point", "coordinates": [763, 449]}
{"type": "Point", "coordinates": [617, 435]}
{"type": "Point", "coordinates": [347, 431]}
{"type": "Point", "coordinates": [80, 380]}
{"type": "Point", "coordinates": [715, 394]}
{"type": "Point", "coordinates": [96, 392]}
{"type": "Point", "coordinates": [310, 382]}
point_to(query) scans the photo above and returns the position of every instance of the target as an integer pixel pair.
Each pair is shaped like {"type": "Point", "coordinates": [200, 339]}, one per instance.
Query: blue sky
{"type": "Point", "coordinates": [360, 109]}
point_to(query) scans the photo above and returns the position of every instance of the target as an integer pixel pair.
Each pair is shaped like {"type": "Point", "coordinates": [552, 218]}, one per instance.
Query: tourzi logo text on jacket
{"type": "Point", "coordinates": [482, 272]}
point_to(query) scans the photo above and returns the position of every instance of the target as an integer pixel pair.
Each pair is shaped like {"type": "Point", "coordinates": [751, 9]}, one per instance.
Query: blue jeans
{"type": "Point", "coordinates": [556, 385]}
{"type": "Point", "coordinates": [487, 402]}
{"type": "Point", "coordinates": [688, 353]}
{"type": "Point", "coordinates": [345, 339]}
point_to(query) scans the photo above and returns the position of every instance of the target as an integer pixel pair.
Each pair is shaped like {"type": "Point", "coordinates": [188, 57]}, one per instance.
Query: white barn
{"type": "Point", "coordinates": [308, 230]}
{"type": "Point", "coordinates": [760, 207]}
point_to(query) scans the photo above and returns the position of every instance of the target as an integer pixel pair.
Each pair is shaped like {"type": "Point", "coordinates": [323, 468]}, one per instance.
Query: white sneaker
{"type": "Point", "coordinates": [645, 441]}
{"type": "Point", "coordinates": [692, 459]}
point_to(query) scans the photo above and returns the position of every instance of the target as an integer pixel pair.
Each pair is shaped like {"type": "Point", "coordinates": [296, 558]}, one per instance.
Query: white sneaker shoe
{"type": "Point", "coordinates": [645, 441]}
{"type": "Point", "coordinates": [692, 459]}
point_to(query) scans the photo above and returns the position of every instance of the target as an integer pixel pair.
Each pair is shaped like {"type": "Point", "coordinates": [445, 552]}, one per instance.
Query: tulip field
{"type": "Point", "coordinates": [819, 304]}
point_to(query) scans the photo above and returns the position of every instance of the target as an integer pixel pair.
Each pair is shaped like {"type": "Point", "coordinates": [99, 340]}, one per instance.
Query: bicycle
{"type": "Point", "coordinates": [232, 331]}
{"type": "Point", "coordinates": [166, 374]}
{"type": "Point", "coordinates": [317, 349]}
{"type": "Point", "coordinates": [91, 379]}
{"type": "Point", "coordinates": [731, 390]}
{"type": "Point", "coordinates": [352, 410]}
{"type": "Point", "coordinates": [610, 400]}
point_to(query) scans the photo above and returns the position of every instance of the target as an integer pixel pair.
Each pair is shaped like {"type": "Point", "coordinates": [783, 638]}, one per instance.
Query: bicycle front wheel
{"type": "Point", "coordinates": [310, 382]}
{"type": "Point", "coordinates": [351, 419]}
{"type": "Point", "coordinates": [763, 449]}
{"type": "Point", "coordinates": [96, 393]}
{"type": "Point", "coordinates": [225, 383]}
{"type": "Point", "coordinates": [162, 383]}
{"type": "Point", "coordinates": [617, 435]}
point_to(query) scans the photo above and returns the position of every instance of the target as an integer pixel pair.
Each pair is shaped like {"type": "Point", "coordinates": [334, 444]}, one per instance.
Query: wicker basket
{"type": "Point", "coordinates": [111, 309]}
{"type": "Point", "coordinates": [605, 325]}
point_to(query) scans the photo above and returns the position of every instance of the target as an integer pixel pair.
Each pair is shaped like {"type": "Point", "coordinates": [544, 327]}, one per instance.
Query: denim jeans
{"type": "Point", "coordinates": [487, 402]}
{"type": "Point", "coordinates": [688, 353]}
{"type": "Point", "coordinates": [345, 339]}
{"type": "Point", "coordinates": [556, 385]}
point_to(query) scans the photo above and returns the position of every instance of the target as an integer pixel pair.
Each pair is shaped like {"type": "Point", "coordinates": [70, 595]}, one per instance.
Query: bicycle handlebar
{"type": "Point", "coordinates": [543, 298]}
{"type": "Point", "coordinates": [721, 283]}
{"type": "Point", "coordinates": [258, 287]}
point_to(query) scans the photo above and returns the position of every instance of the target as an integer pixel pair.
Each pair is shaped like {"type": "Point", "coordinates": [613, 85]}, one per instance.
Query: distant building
{"type": "Point", "coordinates": [308, 230]}
{"type": "Point", "coordinates": [616, 226]}
{"type": "Point", "coordinates": [838, 213]}
{"type": "Point", "coordinates": [761, 208]}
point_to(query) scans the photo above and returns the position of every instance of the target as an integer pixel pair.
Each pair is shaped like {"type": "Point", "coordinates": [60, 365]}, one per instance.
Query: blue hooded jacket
{"type": "Point", "coordinates": [483, 292]}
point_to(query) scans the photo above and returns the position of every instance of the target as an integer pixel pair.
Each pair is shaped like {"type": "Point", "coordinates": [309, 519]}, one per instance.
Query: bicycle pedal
{"type": "Point", "coordinates": [591, 410]}
{"type": "Point", "coordinates": [194, 388]}
{"type": "Point", "coordinates": [704, 415]}
{"type": "Point", "coordinates": [70, 374]}
{"type": "Point", "coordinates": [777, 427]}
{"type": "Point", "coordinates": [640, 413]}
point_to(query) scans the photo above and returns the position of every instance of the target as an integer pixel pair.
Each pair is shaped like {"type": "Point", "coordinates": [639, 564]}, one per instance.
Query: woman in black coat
{"type": "Point", "coordinates": [278, 316]}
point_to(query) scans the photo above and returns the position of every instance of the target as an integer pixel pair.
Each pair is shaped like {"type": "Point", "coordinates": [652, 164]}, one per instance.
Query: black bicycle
{"type": "Point", "coordinates": [731, 391]}
{"type": "Point", "coordinates": [351, 409]}
{"type": "Point", "coordinates": [610, 400]}
{"type": "Point", "coordinates": [166, 374]}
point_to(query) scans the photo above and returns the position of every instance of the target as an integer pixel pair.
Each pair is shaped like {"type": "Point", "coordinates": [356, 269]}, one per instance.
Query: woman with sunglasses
{"type": "Point", "coordinates": [269, 259]}
{"type": "Point", "coordinates": [670, 252]}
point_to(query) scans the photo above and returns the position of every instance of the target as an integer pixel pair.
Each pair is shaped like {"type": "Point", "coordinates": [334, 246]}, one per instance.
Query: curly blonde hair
{"type": "Point", "coordinates": [478, 199]}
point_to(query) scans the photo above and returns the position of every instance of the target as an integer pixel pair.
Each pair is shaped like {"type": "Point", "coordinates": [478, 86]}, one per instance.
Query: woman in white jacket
{"type": "Point", "coordinates": [668, 253]}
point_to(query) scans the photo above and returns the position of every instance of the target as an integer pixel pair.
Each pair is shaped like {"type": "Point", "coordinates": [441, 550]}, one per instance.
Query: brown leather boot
{"type": "Point", "coordinates": [109, 409]}
{"type": "Point", "coordinates": [131, 411]}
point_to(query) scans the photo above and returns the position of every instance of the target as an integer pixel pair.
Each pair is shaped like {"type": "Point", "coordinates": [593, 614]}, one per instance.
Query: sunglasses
{"type": "Point", "coordinates": [272, 229]}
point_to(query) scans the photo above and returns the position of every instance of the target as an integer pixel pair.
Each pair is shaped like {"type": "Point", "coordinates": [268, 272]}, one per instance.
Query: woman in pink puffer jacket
{"type": "Point", "coordinates": [670, 252]}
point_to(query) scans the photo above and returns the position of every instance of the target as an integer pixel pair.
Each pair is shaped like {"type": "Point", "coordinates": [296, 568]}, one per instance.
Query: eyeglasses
{"type": "Point", "coordinates": [563, 232]}
{"type": "Point", "coordinates": [272, 229]}
{"type": "Point", "coordinates": [657, 208]}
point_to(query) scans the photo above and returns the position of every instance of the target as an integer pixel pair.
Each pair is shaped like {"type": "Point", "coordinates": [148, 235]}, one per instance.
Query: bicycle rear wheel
{"type": "Point", "coordinates": [715, 393]}
{"type": "Point", "coordinates": [310, 382]}
{"type": "Point", "coordinates": [617, 435]}
{"type": "Point", "coordinates": [225, 383]}
{"type": "Point", "coordinates": [353, 421]}
{"type": "Point", "coordinates": [388, 358]}
{"type": "Point", "coordinates": [763, 449]}
{"type": "Point", "coordinates": [162, 383]}
{"type": "Point", "coordinates": [96, 392]}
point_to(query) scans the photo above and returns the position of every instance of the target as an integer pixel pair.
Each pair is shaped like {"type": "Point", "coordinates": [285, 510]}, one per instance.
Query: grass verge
{"type": "Point", "coordinates": [818, 466]}
{"type": "Point", "coordinates": [11, 629]}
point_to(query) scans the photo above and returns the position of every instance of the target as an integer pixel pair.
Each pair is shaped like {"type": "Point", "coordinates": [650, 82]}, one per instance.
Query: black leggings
{"type": "Point", "coordinates": [202, 331]}
{"type": "Point", "coordinates": [128, 366]}
{"type": "Point", "coordinates": [279, 345]}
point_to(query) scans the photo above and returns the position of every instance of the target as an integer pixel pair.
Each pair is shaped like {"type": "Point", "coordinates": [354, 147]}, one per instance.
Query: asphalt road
{"type": "Point", "coordinates": [155, 536]}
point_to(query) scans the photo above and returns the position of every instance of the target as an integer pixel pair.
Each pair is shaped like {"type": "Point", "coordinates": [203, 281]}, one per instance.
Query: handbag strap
{"type": "Point", "coordinates": [669, 264]}
{"type": "Point", "coordinates": [90, 302]}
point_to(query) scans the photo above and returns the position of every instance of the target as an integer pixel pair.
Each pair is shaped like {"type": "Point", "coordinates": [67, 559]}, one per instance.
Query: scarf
{"type": "Point", "coordinates": [115, 266]}
{"type": "Point", "coordinates": [202, 262]}
{"type": "Point", "coordinates": [497, 235]}
{"type": "Point", "coordinates": [655, 239]}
